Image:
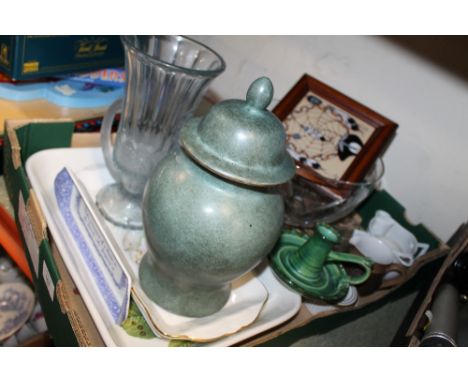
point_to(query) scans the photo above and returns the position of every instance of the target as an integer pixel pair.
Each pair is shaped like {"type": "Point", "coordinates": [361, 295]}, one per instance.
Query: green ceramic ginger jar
{"type": "Point", "coordinates": [211, 209]}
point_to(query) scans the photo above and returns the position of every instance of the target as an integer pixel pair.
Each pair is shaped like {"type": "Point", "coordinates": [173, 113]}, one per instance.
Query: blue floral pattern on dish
{"type": "Point", "coordinates": [65, 191]}
{"type": "Point", "coordinates": [118, 277]}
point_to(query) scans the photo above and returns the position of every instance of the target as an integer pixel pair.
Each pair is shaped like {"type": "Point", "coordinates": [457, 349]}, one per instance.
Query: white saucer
{"type": "Point", "coordinates": [248, 296]}
{"type": "Point", "coordinates": [16, 305]}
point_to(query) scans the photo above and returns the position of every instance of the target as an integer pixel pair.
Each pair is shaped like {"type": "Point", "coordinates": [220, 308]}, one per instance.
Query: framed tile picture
{"type": "Point", "coordinates": [330, 135]}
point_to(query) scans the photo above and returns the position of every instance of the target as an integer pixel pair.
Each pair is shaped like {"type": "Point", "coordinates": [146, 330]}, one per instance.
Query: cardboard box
{"type": "Point", "coordinates": [30, 57]}
{"type": "Point", "coordinates": [66, 315]}
{"type": "Point", "coordinates": [86, 119]}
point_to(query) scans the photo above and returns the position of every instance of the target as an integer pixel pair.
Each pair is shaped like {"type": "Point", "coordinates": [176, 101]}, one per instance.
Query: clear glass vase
{"type": "Point", "coordinates": [166, 77]}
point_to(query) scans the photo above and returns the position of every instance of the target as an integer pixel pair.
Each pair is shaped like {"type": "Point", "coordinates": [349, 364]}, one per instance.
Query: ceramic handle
{"type": "Point", "coordinates": [106, 139]}
{"type": "Point", "coordinates": [404, 258]}
{"type": "Point", "coordinates": [422, 249]}
{"type": "Point", "coordinates": [364, 262]}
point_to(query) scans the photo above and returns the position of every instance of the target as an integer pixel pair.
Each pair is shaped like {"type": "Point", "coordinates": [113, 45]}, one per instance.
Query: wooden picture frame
{"type": "Point", "coordinates": [330, 135]}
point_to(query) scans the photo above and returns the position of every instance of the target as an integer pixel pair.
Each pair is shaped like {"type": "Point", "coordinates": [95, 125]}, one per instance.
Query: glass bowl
{"type": "Point", "coordinates": [327, 200]}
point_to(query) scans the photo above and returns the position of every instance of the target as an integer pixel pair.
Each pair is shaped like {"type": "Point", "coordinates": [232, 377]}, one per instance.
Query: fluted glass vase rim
{"type": "Point", "coordinates": [195, 72]}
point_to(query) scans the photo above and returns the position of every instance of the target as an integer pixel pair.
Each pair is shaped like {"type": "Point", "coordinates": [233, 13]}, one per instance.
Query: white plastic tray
{"type": "Point", "coordinates": [88, 166]}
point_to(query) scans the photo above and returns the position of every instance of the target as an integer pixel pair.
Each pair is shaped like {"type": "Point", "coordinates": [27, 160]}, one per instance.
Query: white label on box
{"type": "Point", "coordinates": [28, 233]}
{"type": "Point", "coordinates": [48, 280]}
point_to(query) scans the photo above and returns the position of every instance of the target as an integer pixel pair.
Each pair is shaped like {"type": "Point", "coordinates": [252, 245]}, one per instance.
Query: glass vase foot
{"type": "Point", "coordinates": [119, 207]}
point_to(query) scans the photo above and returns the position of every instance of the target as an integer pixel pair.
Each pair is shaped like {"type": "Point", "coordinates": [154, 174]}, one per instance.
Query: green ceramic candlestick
{"type": "Point", "coordinates": [309, 266]}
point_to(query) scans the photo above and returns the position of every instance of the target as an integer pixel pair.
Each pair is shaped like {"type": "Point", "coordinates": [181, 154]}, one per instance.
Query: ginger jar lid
{"type": "Point", "coordinates": [241, 140]}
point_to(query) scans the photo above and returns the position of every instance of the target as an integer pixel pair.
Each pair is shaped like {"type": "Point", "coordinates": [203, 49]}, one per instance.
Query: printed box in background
{"type": "Point", "coordinates": [31, 57]}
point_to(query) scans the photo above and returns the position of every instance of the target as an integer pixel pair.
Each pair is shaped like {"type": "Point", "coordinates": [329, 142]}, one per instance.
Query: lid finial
{"type": "Point", "coordinates": [260, 93]}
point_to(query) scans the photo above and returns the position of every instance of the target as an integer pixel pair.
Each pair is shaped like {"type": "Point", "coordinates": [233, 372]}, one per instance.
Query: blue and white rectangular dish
{"type": "Point", "coordinates": [105, 272]}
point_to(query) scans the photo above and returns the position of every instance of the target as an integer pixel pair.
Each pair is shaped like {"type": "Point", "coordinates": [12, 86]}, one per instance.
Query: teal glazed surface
{"type": "Point", "coordinates": [211, 210]}
{"type": "Point", "coordinates": [241, 140]}
{"type": "Point", "coordinates": [309, 266]}
{"type": "Point", "coordinates": [203, 232]}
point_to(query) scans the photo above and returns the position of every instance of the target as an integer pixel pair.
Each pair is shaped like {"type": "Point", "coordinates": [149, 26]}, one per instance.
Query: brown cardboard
{"type": "Point", "coordinates": [74, 307]}
{"type": "Point", "coordinates": [66, 316]}
{"type": "Point", "coordinates": [43, 110]}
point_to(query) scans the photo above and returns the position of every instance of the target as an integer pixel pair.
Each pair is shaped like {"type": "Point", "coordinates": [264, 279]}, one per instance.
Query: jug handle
{"type": "Point", "coordinates": [408, 260]}
{"type": "Point", "coordinates": [364, 262]}
{"type": "Point", "coordinates": [403, 258]}
{"type": "Point", "coordinates": [106, 139]}
{"type": "Point", "coordinates": [422, 249]}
